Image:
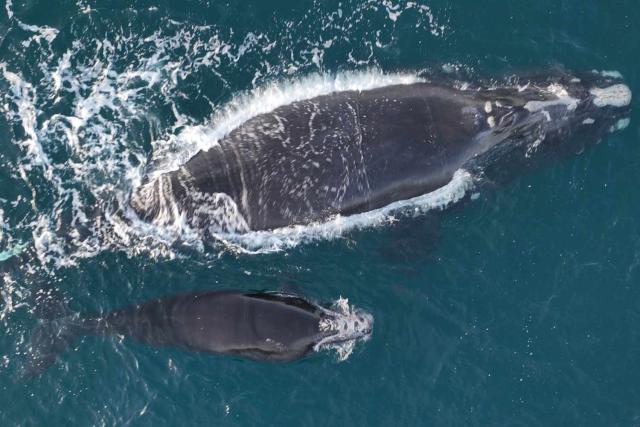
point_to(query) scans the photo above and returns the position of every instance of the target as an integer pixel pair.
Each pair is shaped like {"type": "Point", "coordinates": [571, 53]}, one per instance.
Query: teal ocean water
{"type": "Point", "coordinates": [521, 307]}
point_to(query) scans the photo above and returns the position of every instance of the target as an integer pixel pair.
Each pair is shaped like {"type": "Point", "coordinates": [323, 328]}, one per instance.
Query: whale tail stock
{"type": "Point", "coordinates": [50, 338]}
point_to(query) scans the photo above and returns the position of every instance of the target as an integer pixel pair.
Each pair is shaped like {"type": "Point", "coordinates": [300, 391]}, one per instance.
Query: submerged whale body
{"type": "Point", "coordinates": [258, 326]}
{"type": "Point", "coordinates": [354, 151]}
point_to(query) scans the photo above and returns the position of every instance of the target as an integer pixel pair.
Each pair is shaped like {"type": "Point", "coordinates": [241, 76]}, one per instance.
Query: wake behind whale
{"type": "Point", "coordinates": [348, 158]}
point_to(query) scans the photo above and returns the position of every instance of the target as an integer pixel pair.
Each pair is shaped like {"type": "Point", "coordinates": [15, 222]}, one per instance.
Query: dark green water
{"type": "Point", "coordinates": [522, 309]}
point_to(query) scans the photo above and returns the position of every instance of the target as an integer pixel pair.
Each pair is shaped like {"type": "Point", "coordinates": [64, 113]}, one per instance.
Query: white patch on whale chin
{"type": "Point", "coordinates": [562, 98]}
{"type": "Point", "coordinates": [348, 324]}
{"type": "Point", "coordinates": [613, 96]}
{"type": "Point", "coordinates": [620, 125]}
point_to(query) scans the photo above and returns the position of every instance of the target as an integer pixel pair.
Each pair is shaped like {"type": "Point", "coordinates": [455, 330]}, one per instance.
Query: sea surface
{"type": "Point", "coordinates": [519, 308]}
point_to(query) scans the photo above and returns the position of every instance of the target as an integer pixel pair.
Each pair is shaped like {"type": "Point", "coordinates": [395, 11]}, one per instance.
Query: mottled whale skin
{"type": "Point", "coordinates": [351, 152]}
{"type": "Point", "coordinates": [259, 326]}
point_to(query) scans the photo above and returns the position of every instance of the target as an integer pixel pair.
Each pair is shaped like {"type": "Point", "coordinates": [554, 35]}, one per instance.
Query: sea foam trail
{"type": "Point", "coordinates": [79, 117]}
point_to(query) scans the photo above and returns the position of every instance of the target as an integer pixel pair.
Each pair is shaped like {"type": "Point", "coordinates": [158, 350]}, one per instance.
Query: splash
{"type": "Point", "coordinates": [107, 105]}
{"type": "Point", "coordinates": [288, 237]}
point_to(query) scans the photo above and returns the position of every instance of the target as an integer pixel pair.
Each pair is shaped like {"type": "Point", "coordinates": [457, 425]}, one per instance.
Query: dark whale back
{"type": "Point", "coordinates": [342, 153]}
{"type": "Point", "coordinates": [350, 152]}
{"type": "Point", "coordinates": [258, 326]}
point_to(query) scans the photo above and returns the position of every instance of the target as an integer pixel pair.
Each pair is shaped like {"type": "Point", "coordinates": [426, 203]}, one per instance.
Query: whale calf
{"type": "Point", "coordinates": [260, 326]}
{"type": "Point", "coordinates": [354, 151]}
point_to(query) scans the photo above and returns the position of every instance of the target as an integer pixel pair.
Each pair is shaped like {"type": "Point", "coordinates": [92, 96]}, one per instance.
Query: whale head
{"type": "Point", "coordinates": [544, 118]}
{"type": "Point", "coordinates": [341, 326]}
{"type": "Point", "coordinates": [592, 103]}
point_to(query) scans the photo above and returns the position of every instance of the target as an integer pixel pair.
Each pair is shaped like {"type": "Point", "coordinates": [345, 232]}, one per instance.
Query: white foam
{"type": "Point", "coordinates": [26, 99]}
{"type": "Point", "coordinates": [40, 33]}
{"type": "Point", "coordinates": [335, 227]}
{"type": "Point", "coordinates": [613, 96]}
{"type": "Point", "coordinates": [588, 121]}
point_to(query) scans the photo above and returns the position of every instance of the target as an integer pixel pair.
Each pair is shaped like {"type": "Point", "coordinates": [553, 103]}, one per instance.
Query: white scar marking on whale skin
{"type": "Point", "coordinates": [613, 96]}
{"type": "Point", "coordinates": [487, 107]}
{"type": "Point", "coordinates": [588, 121]}
{"type": "Point", "coordinates": [491, 121]}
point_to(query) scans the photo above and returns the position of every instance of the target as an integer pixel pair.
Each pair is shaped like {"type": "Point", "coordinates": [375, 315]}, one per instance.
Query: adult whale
{"type": "Point", "coordinates": [354, 151]}
{"type": "Point", "coordinates": [259, 326]}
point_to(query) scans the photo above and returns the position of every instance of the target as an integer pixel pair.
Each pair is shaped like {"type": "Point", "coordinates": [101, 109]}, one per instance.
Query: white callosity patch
{"type": "Point", "coordinates": [346, 325]}
{"type": "Point", "coordinates": [620, 125]}
{"type": "Point", "coordinates": [561, 97]}
{"type": "Point", "coordinates": [618, 95]}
